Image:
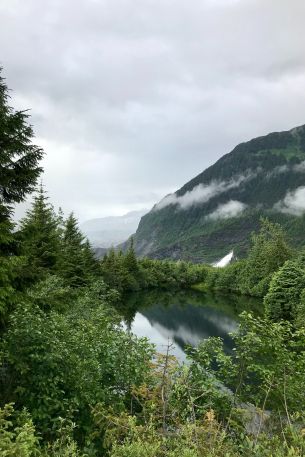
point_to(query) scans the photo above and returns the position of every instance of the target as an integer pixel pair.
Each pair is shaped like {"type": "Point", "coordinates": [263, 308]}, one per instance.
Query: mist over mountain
{"type": "Point", "coordinates": [216, 211]}
{"type": "Point", "coordinates": [109, 231]}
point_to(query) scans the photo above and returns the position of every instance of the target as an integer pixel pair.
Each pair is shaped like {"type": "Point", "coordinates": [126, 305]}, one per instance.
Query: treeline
{"type": "Point", "coordinates": [125, 272]}
{"type": "Point", "coordinates": [52, 257]}
{"type": "Point", "coordinates": [251, 276]}
{"type": "Point", "coordinates": [272, 271]}
{"type": "Point", "coordinates": [74, 383]}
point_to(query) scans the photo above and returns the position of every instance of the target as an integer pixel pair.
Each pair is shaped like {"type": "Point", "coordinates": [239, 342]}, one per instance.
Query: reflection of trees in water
{"type": "Point", "coordinates": [188, 315]}
{"type": "Point", "coordinates": [189, 323]}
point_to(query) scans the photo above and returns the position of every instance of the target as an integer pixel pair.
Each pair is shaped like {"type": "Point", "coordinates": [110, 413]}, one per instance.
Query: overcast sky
{"type": "Point", "coordinates": [132, 98]}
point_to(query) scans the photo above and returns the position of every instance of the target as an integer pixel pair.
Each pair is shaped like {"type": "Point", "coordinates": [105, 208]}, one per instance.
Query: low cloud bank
{"type": "Point", "coordinates": [297, 168]}
{"type": "Point", "coordinates": [230, 209]}
{"type": "Point", "coordinates": [293, 203]}
{"type": "Point", "coordinates": [205, 192]}
{"type": "Point", "coordinates": [202, 193]}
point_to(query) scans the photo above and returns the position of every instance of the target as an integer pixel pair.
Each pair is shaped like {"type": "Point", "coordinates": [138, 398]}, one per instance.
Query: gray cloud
{"type": "Point", "coordinates": [132, 99]}
{"type": "Point", "coordinates": [230, 209]}
{"type": "Point", "coordinates": [293, 203]}
{"type": "Point", "coordinates": [202, 193]}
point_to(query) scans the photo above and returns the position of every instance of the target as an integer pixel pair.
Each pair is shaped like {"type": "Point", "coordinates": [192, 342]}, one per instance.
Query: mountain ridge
{"type": "Point", "coordinates": [217, 210]}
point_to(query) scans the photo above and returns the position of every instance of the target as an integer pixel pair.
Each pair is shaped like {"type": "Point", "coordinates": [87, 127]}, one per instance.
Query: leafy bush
{"type": "Point", "coordinates": [17, 439]}
{"type": "Point", "coordinates": [60, 365]}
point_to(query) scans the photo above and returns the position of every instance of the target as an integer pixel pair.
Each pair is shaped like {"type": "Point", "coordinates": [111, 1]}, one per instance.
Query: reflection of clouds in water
{"type": "Point", "coordinates": [160, 334]}
{"type": "Point", "coordinates": [226, 324]}
{"type": "Point", "coordinates": [183, 318]}
{"type": "Point", "coordinates": [182, 333]}
{"type": "Point", "coordinates": [157, 334]}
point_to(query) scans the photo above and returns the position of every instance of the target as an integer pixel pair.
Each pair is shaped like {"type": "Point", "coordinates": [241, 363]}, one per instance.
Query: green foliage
{"type": "Point", "coordinates": [252, 276]}
{"type": "Point", "coordinates": [39, 239]}
{"type": "Point", "coordinates": [130, 260]}
{"type": "Point", "coordinates": [53, 246]}
{"type": "Point", "coordinates": [230, 277]}
{"type": "Point", "coordinates": [17, 439]}
{"type": "Point", "coordinates": [283, 300]}
{"type": "Point", "coordinates": [267, 366]}
{"type": "Point", "coordinates": [115, 272]}
{"type": "Point", "coordinates": [97, 293]}
{"type": "Point", "coordinates": [188, 411]}
{"type": "Point", "coordinates": [208, 440]}
{"type": "Point", "coordinates": [77, 262]}
{"type": "Point", "coordinates": [268, 252]}
{"type": "Point", "coordinates": [169, 274]}
{"type": "Point", "coordinates": [66, 355]}
{"type": "Point", "coordinates": [127, 273]}
{"type": "Point", "coordinates": [19, 158]}
{"type": "Point", "coordinates": [300, 319]}
{"type": "Point", "coordinates": [64, 445]}
{"type": "Point", "coordinates": [10, 268]}
{"type": "Point", "coordinates": [59, 365]}
{"type": "Point", "coordinates": [19, 170]}
{"type": "Point", "coordinates": [50, 293]}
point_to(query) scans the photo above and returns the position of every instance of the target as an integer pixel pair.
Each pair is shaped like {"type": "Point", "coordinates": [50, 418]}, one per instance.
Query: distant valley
{"type": "Point", "coordinates": [110, 231]}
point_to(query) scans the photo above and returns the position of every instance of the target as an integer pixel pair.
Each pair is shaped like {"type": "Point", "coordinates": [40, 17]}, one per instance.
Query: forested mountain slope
{"type": "Point", "coordinates": [217, 210]}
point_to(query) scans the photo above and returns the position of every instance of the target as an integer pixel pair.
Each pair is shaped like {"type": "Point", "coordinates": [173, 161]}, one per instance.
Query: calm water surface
{"type": "Point", "coordinates": [184, 318]}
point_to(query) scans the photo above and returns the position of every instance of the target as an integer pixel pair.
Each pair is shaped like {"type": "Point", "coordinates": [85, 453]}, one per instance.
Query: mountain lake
{"type": "Point", "coordinates": [184, 318]}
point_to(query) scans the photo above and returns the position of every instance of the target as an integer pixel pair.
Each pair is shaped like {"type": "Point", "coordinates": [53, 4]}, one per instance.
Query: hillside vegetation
{"type": "Point", "coordinates": [217, 210]}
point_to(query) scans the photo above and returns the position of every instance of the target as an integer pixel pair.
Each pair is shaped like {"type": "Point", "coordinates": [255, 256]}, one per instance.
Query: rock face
{"type": "Point", "coordinates": [216, 211]}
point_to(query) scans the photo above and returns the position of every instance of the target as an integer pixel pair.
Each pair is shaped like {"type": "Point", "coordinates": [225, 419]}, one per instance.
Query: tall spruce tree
{"type": "Point", "coordinates": [130, 260]}
{"type": "Point", "coordinates": [284, 298]}
{"type": "Point", "coordinates": [39, 237]}
{"type": "Point", "coordinates": [91, 264]}
{"type": "Point", "coordinates": [78, 264]}
{"type": "Point", "coordinates": [19, 170]}
{"type": "Point", "coordinates": [269, 251]}
{"type": "Point", "coordinates": [19, 158]}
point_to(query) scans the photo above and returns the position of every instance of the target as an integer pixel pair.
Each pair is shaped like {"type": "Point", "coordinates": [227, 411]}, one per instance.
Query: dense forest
{"type": "Point", "coordinates": [75, 383]}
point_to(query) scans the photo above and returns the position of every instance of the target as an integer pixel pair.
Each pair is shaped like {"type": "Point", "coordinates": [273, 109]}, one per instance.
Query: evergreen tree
{"type": "Point", "coordinates": [91, 263]}
{"type": "Point", "coordinates": [113, 269]}
{"type": "Point", "coordinates": [19, 158]}
{"type": "Point", "coordinates": [72, 264]}
{"type": "Point", "coordinates": [78, 264]}
{"type": "Point", "coordinates": [118, 271]}
{"type": "Point", "coordinates": [39, 237]}
{"type": "Point", "coordinates": [19, 171]}
{"type": "Point", "coordinates": [268, 253]}
{"type": "Point", "coordinates": [283, 300]}
{"type": "Point", "coordinates": [130, 261]}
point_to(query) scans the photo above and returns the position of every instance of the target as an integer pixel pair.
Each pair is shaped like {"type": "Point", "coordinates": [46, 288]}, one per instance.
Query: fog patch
{"type": "Point", "coordinates": [230, 209]}
{"type": "Point", "coordinates": [293, 203]}
{"type": "Point", "coordinates": [281, 169]}
{"type": "Point", "coordinates": [299, 167]}
{"type": "Point", "coordinates": [202, 193]}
